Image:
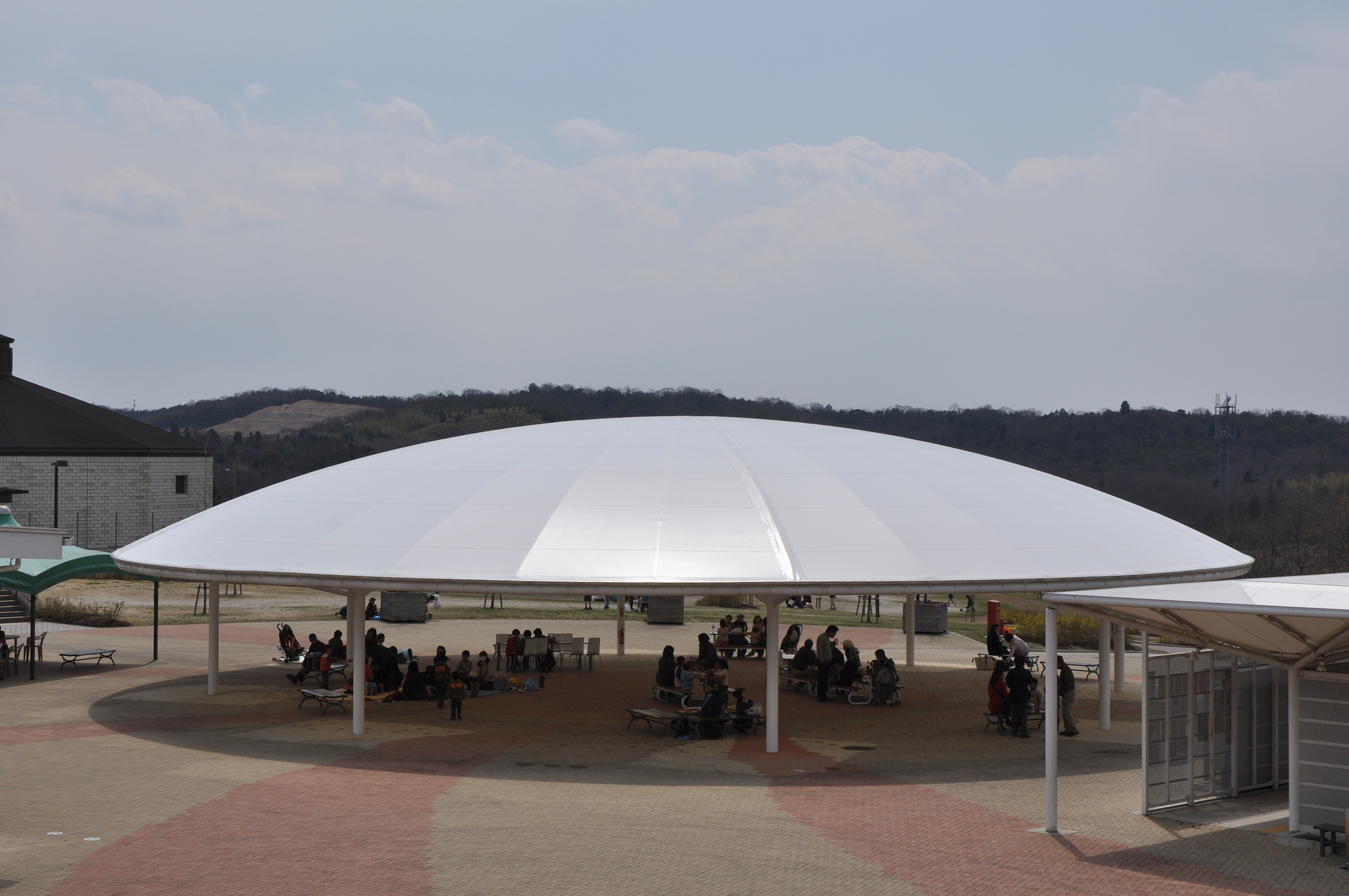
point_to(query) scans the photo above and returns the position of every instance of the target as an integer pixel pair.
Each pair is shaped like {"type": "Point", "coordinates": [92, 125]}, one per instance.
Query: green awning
{"type": "Point", "coordinates": [36, 576]}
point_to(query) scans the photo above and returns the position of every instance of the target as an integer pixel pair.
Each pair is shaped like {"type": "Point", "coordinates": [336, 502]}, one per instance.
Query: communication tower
{"type": "Point", "coordinates": [1224, 426]}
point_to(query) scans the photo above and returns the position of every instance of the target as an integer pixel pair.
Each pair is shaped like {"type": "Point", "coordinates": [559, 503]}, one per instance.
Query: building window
{"type": "Point", "coordinates": [180, 485]}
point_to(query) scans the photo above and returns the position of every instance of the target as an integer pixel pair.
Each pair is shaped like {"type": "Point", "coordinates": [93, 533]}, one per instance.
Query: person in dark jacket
{"type": "Point", "coordinates": [805, 656]}
{"type": "Point", "coordinates": [414, 685]}
{"type": "Point", "coordinates": [827, 656]}
{"type": "Point", "coordinates": [1067, 693]}
{"type": "Point", "coordinates": [995, 646]}
{"type": "Point", "coordinates": [707, 652]}
{"type": "Point", "coordinates": [665, 668]}
{"type": "Point", "coordinates": [1020, 683]}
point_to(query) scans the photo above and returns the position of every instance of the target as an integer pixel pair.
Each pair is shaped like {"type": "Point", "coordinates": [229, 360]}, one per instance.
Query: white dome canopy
{"type": "Point", "coordinates": [674, 505]}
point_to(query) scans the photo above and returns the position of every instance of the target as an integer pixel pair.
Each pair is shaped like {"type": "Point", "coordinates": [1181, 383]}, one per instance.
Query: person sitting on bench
{"type": "Point", "coordinates": [665, 668]}
{"type": "Point", "coordinates": [337, 651]}
{"type": "Point", "coordinates": [313, 658]}
{"type": "Point", "coordinates": [805, 657]}
{"type": "Point", "coordinates": [995, 646]}
{"type": "Point", "coordinates": [1018, 648]}
{"type": "Point", "coordinates": [997, 692]}
{"type": "Point", "coordinates": [684, 674]}
{"type": "Point", "coordinates": [852, 665]}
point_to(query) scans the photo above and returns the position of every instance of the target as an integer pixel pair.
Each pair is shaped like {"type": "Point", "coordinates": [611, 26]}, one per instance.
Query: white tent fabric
{"type": "Point", "coordinates": [1291, 622]}
{"type": "Point", "coordinates": [680, 505]}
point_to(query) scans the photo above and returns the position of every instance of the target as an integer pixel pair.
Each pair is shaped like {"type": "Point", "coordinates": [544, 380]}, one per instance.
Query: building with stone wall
{"type": "Point", "coordinates": [123, 478]}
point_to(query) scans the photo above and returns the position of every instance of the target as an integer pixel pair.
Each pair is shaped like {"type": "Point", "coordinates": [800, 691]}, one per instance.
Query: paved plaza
{"type": "Point", "coordinates": [245, 793]}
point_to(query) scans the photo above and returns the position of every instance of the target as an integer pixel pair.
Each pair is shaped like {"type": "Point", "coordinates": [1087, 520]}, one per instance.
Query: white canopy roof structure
{"type": "Point", "coordinates": [1291, 622]}
{"type": "Point", "coordinates": [680, 505]}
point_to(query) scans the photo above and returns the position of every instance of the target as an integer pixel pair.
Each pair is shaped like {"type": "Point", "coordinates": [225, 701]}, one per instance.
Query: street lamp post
{"type": "Point", "coordinates": [56, 491]}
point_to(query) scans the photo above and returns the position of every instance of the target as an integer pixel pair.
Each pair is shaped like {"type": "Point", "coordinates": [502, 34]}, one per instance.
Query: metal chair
{"type": "Point", "coordinates": [593, 651]}
{"type": "Point", "coordinates": [501, 648]}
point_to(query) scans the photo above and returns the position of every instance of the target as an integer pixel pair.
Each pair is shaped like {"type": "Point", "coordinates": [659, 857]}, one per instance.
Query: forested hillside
{"type": "Point", "coordinates": [1290, 470]}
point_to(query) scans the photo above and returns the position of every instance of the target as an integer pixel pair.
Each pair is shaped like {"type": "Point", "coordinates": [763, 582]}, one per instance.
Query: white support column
{"type": "Point", "coordinates": [622, 621]}
{"type": "Point", "coordinates": [213, 639]}
{"type": "Point", "coordinates": [1189, 729]}
{"type": "Point", "coordinates": [1051, 720]}
{"type": "Point", "coordinates": [356, 657]}
{"type": "Point", "coordinates": [1119, 658]}
{"type": "Point", "coordinates": [770, 700]}
{"type": "Point", "coordinates": [910, 603]}
{"type": "Point", "coordinates": [1103, 673]}
{"type": "Point", "coordinates": [1143, 718]}
{"type": "Point", "coordinates": [1274, 674]}
{"type": "Point", "coordinates": [1294, 750]}
{"type": "Point", "coordinates": [355, 625]}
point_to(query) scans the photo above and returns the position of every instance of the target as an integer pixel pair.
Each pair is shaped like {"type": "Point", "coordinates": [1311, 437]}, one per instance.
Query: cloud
{"type": "Point", "coordinates": [855, 266]}
{"type": "Point", "coordinates": [137, 103]}
{"type": "Point", "coordinates": [414, 188]}
{"type": "Point", "coordinates": [400, 116]}
{"type": "Point", "coordinates": [237, 215]}
{"type": "Point", "coordinates": [11, 213]}
{"type": "Point", "coordinates": [26, 94]}
{"type": "Point", "coordinates": [592, 136]}
{"type": "Point", "coordinates": [128, 195]}
{"type": "Point", "coordinates": [253, 91]}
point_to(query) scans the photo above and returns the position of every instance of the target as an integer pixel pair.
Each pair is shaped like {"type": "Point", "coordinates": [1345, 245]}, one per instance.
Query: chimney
{"type": "Point", "coordinates": [6, 356]}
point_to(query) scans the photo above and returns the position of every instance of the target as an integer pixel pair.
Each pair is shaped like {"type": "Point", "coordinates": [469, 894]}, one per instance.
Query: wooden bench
{"type": "Point", "coordinates": [671, 695]}
{"type": "Point", "coordinates": [1322, 830]}
{"type": "Point", "coordinates": [1087, 669]}
{"type": "Point", "coordinates": [655, 717]}
{"type": "Point", "coordinates": [325, 698]}
{"type": "Point", "coordinates": [1004, 721]}
{"type": "Point", "coordinates": [72, 658]}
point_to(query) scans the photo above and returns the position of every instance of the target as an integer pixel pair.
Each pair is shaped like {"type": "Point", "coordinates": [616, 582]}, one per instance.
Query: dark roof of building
{"type": "Point", "coordinates": [38, 421]}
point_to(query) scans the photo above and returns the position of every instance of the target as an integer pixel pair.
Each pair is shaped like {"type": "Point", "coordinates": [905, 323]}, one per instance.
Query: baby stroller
{"type": "Point", "coordinates": [791, 640]}
{"type": "Point", "coordinates": [289, 644]}
{"type": "Point", "coordinates": [885, 689]}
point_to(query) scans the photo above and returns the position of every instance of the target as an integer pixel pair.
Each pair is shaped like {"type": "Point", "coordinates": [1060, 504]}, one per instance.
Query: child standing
{"type": "Point", "coordinates": [440, 676]}
{"type": "Point", "coordinates": [457, 697]}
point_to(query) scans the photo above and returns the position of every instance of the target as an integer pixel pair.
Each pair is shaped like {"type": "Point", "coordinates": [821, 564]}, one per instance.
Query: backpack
{"type": "Point", "coordinates": [456, 690]}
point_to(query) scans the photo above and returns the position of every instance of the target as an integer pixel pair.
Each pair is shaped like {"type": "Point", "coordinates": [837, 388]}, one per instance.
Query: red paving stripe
{"type": "Point", "coordinates": [324, 829]}
{"type": "Point", "coordinates": [946, 846]}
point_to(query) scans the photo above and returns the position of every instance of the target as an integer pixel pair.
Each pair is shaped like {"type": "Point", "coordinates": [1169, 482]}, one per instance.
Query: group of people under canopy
{"type": "Point", "coordinates": [834, 665]}
{"type": "Point", "coordinates": [719, 698]}
{"type": "Point", "coordinates": [517, 653]}
{"type": "Point", "coordinates": [1013, 689]}
{"type": "Point", "coordinates": [838, 665]}
{"type": "Point", "coordinates": [442, 678]}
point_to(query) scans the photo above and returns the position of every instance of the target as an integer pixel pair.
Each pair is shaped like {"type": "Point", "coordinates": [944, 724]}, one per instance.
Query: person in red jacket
{"type": "Point", "coordinates": [997, 691]}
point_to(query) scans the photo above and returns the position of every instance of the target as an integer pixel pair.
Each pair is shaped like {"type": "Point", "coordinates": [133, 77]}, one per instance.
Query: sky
{"type": "Point", "coordinates": [863, 205]}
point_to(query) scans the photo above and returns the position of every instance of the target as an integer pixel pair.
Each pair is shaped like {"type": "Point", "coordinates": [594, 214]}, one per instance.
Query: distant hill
{"type": "Point", "coordinates": [284, 418]}
{"type": "Point", "coordinates": [1288, 468]}
{"type": "Point", "coordinates": [208, 413]}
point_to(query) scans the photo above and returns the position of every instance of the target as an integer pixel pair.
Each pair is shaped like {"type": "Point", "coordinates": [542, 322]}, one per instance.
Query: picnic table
{"type": "Point", "coordinates": [73, 657]}
{"type": "Point", "coordinates": [325, 698]}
